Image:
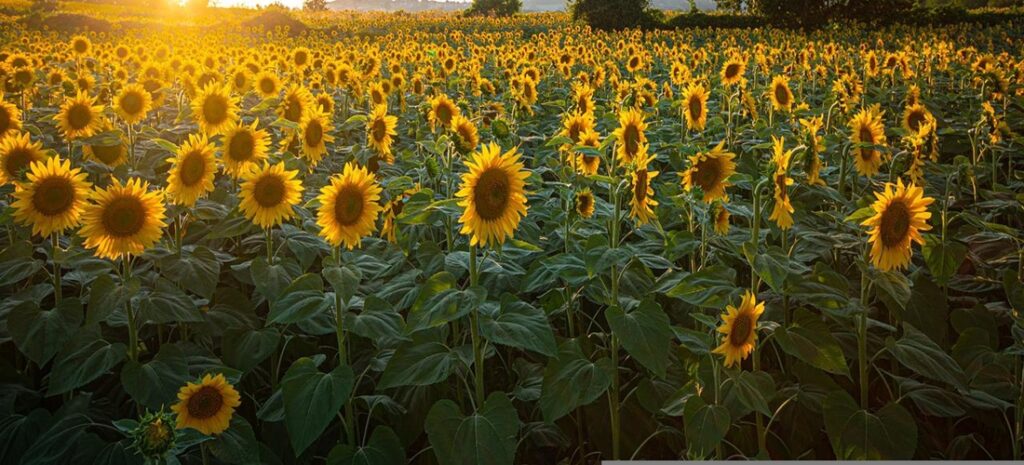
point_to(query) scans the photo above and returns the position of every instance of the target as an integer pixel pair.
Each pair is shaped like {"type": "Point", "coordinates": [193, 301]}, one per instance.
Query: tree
{"type": "Point", "coordinates": [612, 14]}
{"type": "Point", "coordinates": [315, 5]}
{"type": "Point", "coordinates": [494, 7]}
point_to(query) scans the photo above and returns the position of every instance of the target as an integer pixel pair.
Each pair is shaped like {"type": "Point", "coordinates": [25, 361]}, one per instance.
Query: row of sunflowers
{"type": "Point", "coordinates": [511, 241]}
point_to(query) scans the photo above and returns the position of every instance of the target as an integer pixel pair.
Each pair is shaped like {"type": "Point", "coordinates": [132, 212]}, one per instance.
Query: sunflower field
{"type": "Point", "coordinates": [441, 240]}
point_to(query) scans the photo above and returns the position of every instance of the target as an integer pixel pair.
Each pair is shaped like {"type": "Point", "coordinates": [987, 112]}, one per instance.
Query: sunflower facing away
{"type": "Point", "coordinates": [739, 329]}
{"type": "Point", "coordinates": [901, 213]}
{"type": "Point", "coordinates": [17, 153]}
{"type": "Point", "coordinates": [192, 171]}
{"type": "Point", "coordinates": [781, 96]}
{"type": "Point", "coordinates": [643, 194]}
{"type": "Point", "coordinates": [349, 207]}
{"type": "Point", "coordinates": [866, 128]}
{"type": "Point", "coordinates": [710, 172]}
{"type": "Point", "coordinates": [268, 194]}
{"type": "Point", "coordinates": [492, 195]}
{"type": "Point", "coordinates": [442, 111]}
{"type": "Point", "coordinates": [79, 116]}
{"type": "Point", "coordinates": [695, 107]}
{"type": "Point", "coordinates": [316, 131]}
{"type": "Point", "coordinates": [214, 109]}
{"type": "Point", "coordinates": [123, 219]}
{"type": "Point", "coordinates": [629, 135]}
{"type": "Point", "coordinates": [380, 131]}
{"type": "Point", "coordinates": [244, 147]}
{"type": "Point", "coordinates": [53, 198]}
{"type": "Point", "coordinates": [133, 103]}
{"type": "Point", "coordinates": [207, 406]}
{"type": "Point", "coordinates": [782, 214]}
{"type": "Point", "coordinates": [464, 134]}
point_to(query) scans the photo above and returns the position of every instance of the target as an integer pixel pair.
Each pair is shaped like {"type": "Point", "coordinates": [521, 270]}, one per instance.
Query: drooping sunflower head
{"type": "Point", "coordinates": [269, 193]}
{"type": "Point", "coordinates": [901, 213]}
{"type": "Point", "coordinates": [782, 213]}
{"type": "Point", "coordinates": [192, 171]}
{"type": "Point", "coordinates": [206, 406]}
{"type": "Point", "coordinates": [79, 117]}
{"type": "Point", "coordinates": [695, 101]}
{"type": "Point", "coordinates": [642, 203]}
{"type": "Point", "coordinates": [316, 132]}
{"type": "Point", "coordinates": [464, 133]}
{"type": "Point", "coordinates": [585, 203]}
{"type": "Point", "coordinates": [133, 103]}
{"type": "Point", "coordinates": [630, 135]}
{"type": "Point", "coordinates": [110, 154]}
{"type": "Point", "coordinates": [867, 128]}
{"type": "Point", "coordinates": [781, 96]}
{"type": "Point", "coordinates": [123, 219]}
{"type": "Point", "coordinates": [349, 207]}
{"type": "Point", "coordinates": [215, 109]}
{"type": "Point", "coordinates": [17, 153]}
{"type": "Point", "coordinates": [732, 71]}
{"type": "Point", "coordinates": [710, 172]}
{"type": "Point", "coordinates": [53, 198]}
{"type": "Point", "coordinates": [739, 329]}
{"type": "Point", "coordinates": [244, 147]}
{"type": "Point", "coordinates": [492, 195]}
{"type": "Point", "coordinates": [442, 111]}
{"type": "Point", "coordinates": [381, 130]}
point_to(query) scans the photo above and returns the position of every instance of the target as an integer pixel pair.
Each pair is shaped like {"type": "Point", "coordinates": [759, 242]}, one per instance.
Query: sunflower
{"type": "Point", "coordinates": [721, 218]}
{"type": "Point", "coordinates": [295, 102]}
{"type": "Point", "coordinates": [244, 147]}
{"type": "Point", "coordinates": [492, 195]}
{"type": "Point", "coordinates": [782, 214]}
{"type": "Point", "coordinates": [316, 131]}
{"type": "Point", "coordinates": [10, 118]}
{"type": "Point", "coordinates": [643, 194]}
{"type": "Point", "coordinates": [53, 198]}
{"type": "Point", "coordinates": [815, 146]}
{"type": "Point", "coordinates": [111, 155]}
{"type": "Point", "coordinates": [732, 71]}
{"type": "Point", "coordinates": [588, 164]}
{"type": "Point", "coordinates": [349, 207]}
{"type": "Point", "coordinates": [585, 203]}
{"type": "Point", "coordinates": [123, 219]}
{"type": "Point", "coordinates": [267, 84]}
{"type": "Point", "coordinates": [781, 96]}
{"type": "Point", "coordinates": [80, 45]}
{"type": "Point", "coordinates": [629, 135]}
{"type": "Point", "coordinates": [215, 109]}
{"type": "Point", "coordinates": [574, 125]}
{"type": "Point", "coordinates": [442, 111]}
{"type": "Point", "coordinates": [901, 213]}
{"type": "Point", "coordinates": [192, 171]}
{"type": "Point", "coordinates": [739, 329]}
{"type": "Point", "coordinates": [389, 229]}
{"type": "Point", "coordinates": [583, 96]}
{"type": "Point", "coordinates": [914, 116]}
{"type": "Point", "coordinates": [17, 153]}
{"type": "Point", "coordinates": [380, 131]}
{"type": "Point", "coordinates": [867, 128]}
{"type": "Point", "coordinates": [710, 172]}
{"type": "Point", "coordinates": [79, 117]}
{"type": "Point", "coordinates": [268, 194]}
{"type": "Point", "coordinates": [132, 103]}
{"type": "Point", "coordinates": [465, 134]}
{"type": "Point", "coordinates": [207, 406]}
{"type": "Point", "coordinates": [695, 106]}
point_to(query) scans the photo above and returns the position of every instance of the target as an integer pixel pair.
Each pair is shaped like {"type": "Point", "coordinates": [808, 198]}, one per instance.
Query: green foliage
{"type": "Point", "coordinates": [494, 7]}
{"type": "Point", "coordinates": [613, 14]}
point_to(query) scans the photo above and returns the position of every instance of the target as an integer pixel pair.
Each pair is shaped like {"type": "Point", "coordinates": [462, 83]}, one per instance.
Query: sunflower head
{"type": "Point", "coordinates": [695, 106]}
{"type": "Point", "coordinates": [10, 118]}
{"type": "Point", "coordinates": [123, 219]}
{"type": "Point", "coordinates": [585, 203]}
{"type": "Point", "coordinates": [867, 128]}
{"type": "Point", "coordinates": [295, 103]}
{"type": "Point", "coordinates": [269, 193]}
{"type": "Point", "coordinates": [192, 171]}
{"type": "Point", "coordinates": [465, 134]}
{"type": "Point", "coordinates": [442, 111]}
{"type": "Point", "coordinates": [316, 132]}
{"type": "Point", "coordinates": [154, 436]}
{"type": "Point", "coordinates": [781, 96]}
{"type": "Point", "coordinates": [17, 153]}
{"type": "Point", "coordinates": [244, 147]}
{"type": "Point", "coordinates": [721, 215]}
{"type": "Point", "coordinates": [915, 116]}
{"type": "Point", "coordinates": [267, 84]}
{"type": "Point", "coordinates": [349, 207]}
{"type": "Point", "coordinates": [53, 198]}
{"type": "Point", "coordinates": [215, 109]}
{"type": "Point", "coordinates": [732, 71]}
{"type": "Point", "coordinates": [133, 103]}
{"type": "Point", "coordinates": [739, 329]}
{"type": "Point", "coordinates": [79, 117]}
{"type": "Point", "coordinates": [207, 405]}
{"type": "Point", "coordinates": [381, 131]}
{"type": "Point", "coordinates": [642, 203]}
{"type": "Point", "coordinates": [492, 195]}
{"type": "Point", "coordinates": [710, 172]}
{"type": "Point", "coordinates": [630, 135]}
{"type": "Point", "coordinates": [901, 213]}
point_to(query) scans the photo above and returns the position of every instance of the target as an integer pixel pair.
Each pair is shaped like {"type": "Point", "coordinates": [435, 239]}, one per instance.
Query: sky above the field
{"type": "Point", "coordinates": [256, 3]}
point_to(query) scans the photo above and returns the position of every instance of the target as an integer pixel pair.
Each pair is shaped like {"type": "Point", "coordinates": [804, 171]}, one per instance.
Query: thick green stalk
{"type": "Point", "coordinates": [270, 245]}
{"type": "Point", "coordinates": [474, 323]}
{"type": "Point", "coordinates": [614, 398]}
{"type": "Point", "coordinates": [862, 342]}
{"type": "Point", "coordinates": [339, 331]}
{"type": "Point", "coordinates": [133, 336]}
{"type": "Point", "coordinates": [57, 285]}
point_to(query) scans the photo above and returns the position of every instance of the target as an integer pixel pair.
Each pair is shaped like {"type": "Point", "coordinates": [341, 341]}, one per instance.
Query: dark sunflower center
{"type": "Point", "coordinates": [205, 403]}
{"type": "Point", "coordinates": [314, 134]}
{"type": "Point", "coordinates": [192, 169]}
{"type": "Point", "coordinates": [491, 194]}
{"type": "Point", "coordinates": [267, 86]}
{"type": "Point", "coordinates": [640, 186]}
{"type": "Point", "coordinates": [782, 95]}
{"type": "Point", "coordinates": [574, 131]}
{"type": "Point", "coordinates": [466, 134]}
{"type": "Point", "coordinates": [780, 185]}
{"type": "Point", "coordinates": [915, 119]}
{"type": "Point", "coordinates": [79, 116]}
{"type": "Point", "coordinates": [293, 109]}
{"type": "Point", "coordinates": [742, 327]}
{"type": "Point", "coordinates": [53, 195]}
{"type": "Point", "coordinates": [696, 108]}
{"type": "Point", "coordinates": [895, 224]}
{"type": "Point", "coordinates": [215, 109]}
{"type": "Point", "coordinates": [131, 103]}
{"type": "Point", "coordinates": [240, 80]}
{"type": "Point", "coordinates": [242, 146]}
{"type": "Point", "coordinates": [584, 202]}
{"type": "Point", "coordinates": [17, 160]}
{"type": "Point", "coordinates": [81, 46]}
{"type": "Point", "coordinates": [348, 206]}
{"type": "Point", "coordinates": [301, 58]}
{"type": "Point", "coordinates": [107, 153]}
{"type": "Point", "coordinates": [444, 114]}
{"type": "Point", "coordinates": [380, 130]}
{"type": "Point", "coordinates": [708, 174]}
{"type": "Point", "coordinates": [124, 216]}
{"type": "Point", "coordinates": [5, 120]}
{"type": "Point", "coordinates": [732, 70]}
{"type": "Point", "coordinates": [269, 191]}
{"type": "Point", "coordinates": [631, 137]}
{"type": "Point", "coordinates": [867, 137]}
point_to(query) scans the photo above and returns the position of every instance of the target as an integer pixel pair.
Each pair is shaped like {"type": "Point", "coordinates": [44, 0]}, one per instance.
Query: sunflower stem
{"type": "Point", "coordinates": [205, 451]}
{"type": "Point", "coordinates": [133, 337]}
{"type": "Point", "coordinates": [56, 267]}
{"type": "Point", "coordinates": [478, 354]}
{"type": "Point", "coordinates": [270, 245]}
{"type": "Point", "coordinates": [862, 341]}
{"type": "Point", "coordinates": [339, 330]}
{"type": "Point", "coordinates": [614, 398]}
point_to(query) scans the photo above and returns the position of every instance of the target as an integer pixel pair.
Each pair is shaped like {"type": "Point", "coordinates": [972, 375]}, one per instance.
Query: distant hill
{"type": "Point", "coordinates": [528, 5]}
